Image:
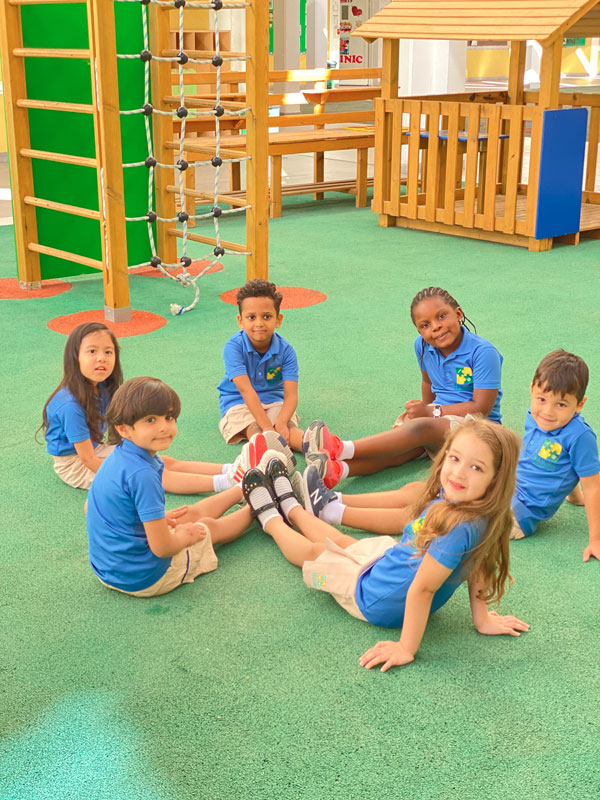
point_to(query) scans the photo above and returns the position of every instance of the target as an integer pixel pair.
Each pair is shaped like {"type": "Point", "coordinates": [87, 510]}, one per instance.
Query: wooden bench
{"type": "Point", "coordinates": [315, 137]}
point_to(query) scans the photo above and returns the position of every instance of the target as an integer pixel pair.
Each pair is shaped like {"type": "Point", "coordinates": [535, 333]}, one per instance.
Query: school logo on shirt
{"type": "Point", "coordinates": [464, 378]}
{"type": "Point", "coordinates": [418, 524]}
{"type": "Point", "coordinates": [548, 454]}
{"type": "Point", "coordinates": [274, 375]}
{"type": "Point", "coordinates": [318, 580]}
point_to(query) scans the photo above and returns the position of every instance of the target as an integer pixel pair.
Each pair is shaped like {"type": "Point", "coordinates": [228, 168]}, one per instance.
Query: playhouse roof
{"type": "Point", "coordinates": [498, 20]}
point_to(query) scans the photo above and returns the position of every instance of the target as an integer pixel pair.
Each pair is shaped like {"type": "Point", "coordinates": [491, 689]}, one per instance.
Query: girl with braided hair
{"type": "Point", "coordinates": [460, 376]}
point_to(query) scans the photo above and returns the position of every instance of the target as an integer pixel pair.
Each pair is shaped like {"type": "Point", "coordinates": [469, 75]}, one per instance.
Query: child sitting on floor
{"type": "Point", "coordinates": [460, 375]}
{"type": "Point", "coordinates": [459, 530]}
{"type": "Point", "coordinates": [74, 419]}
{"type": "Point", "coordinates": [132, 546]}
{"type": "Point", "coordinates": [559, 450]}
{"type": "Point", "coordinates": [260, 389]}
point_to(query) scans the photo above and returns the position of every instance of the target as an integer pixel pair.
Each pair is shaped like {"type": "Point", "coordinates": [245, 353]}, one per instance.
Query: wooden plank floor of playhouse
{"type": "Point", "coordinates": [590, 213]}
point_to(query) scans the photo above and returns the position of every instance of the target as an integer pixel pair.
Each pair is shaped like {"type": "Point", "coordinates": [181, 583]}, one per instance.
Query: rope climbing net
{"type": "Point", "coordinates": [182, 275]}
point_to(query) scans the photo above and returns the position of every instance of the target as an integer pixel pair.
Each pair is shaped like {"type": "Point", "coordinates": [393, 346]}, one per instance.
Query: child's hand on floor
{"type": "Point", "coordinates": [497, 624]}
{"type": "Point", "coordinates": [593, 549]}
{"type": "Point", "coordinates": [390, 653]}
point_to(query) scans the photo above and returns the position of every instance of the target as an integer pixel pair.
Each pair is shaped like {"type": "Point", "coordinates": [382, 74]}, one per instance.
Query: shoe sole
{"type": "Point", "coordinates": [276, 442]}
{"type": "Point", "coordinates": [313, 442]}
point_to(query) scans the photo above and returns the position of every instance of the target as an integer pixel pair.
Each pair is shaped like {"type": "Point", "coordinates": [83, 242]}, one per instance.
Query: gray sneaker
{"type": "Point", "coordinates": [316, 494]}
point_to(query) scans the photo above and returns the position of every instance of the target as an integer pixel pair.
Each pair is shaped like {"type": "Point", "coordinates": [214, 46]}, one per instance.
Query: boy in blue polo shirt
{"type": "Point", "coordinates": [559, 450]}
{"type": "Point", "coordinates": [134, 546]}
{"type": "Point", "coordinates": [260, 389]}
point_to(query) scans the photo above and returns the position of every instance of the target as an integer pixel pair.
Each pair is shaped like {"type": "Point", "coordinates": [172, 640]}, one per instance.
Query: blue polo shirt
{"type": "Point", "coordinates": [67, 422]}
{"type": "Point", "coordinates": [475, 364]}
{"type": "Point", "coordinates": [267, 371]}
{"type": "Point", "coordinates": [381, 590]}
{"type": "Point", "coordinates": [126, 492]}
{"type": "Point", "coordinates": [550, 466]}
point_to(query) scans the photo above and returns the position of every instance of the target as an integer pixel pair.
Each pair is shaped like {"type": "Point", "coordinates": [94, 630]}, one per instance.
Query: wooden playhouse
{"type": "Point", "coordinates": [511, 166]}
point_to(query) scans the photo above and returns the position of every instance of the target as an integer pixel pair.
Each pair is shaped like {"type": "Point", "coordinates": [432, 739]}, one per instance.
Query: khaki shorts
{"type": "Point", "coordinates": [337, 570]}
{"type": "Point", "coordinates": [184, 568]}
{"type": "Point", "coordinates": [235, 421]}
{"type": "Point", "coordinates": [74, 472]}
{"type": "Point", "coordinates": [516, 532]}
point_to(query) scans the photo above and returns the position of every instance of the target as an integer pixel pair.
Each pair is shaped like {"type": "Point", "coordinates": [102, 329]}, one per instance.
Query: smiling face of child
{"type": "Point", "coordinates": [153, 432]}
{"type": "Point", "coordinates": [259, 319]}
{"type": "Point", "coordinates": [551, 410]}
{"type": "Point", "coordinates": [97, 356]}
{"type": "Point", "coordinates": [439, 324]}
{"type": "Point", "coordinates": [468, 469]}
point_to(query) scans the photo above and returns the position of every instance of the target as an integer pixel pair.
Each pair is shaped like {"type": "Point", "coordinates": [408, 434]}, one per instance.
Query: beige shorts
{"type": "Point", "coordinates": [516, 532]}
{"type": "Point", "coordinates": [74, 472]}
{"type": "Point", "coordinates": [184, 568]}
{"type": "Point", "coordinates": [235, 421]}
{"type": "Point", "coordinates": [337, 570]}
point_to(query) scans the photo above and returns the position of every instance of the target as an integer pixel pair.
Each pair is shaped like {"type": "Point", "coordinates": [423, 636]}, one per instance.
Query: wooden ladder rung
{"type": "Point", "coordinates": [62, 158]}
{"type": "Point", "coordinates": [66, 209]}
{"type": "Point", "coordinates": [207, 198]}
{"type": "Point", "coordinates": [200, 102]}
{"type": "Point", "coordinates": [49, 52]}
{"type": "Point", "coordinates": [52, 251]}
{"type": "Point", "coordinates": [40, 2]}
{"type": "Point", "coordinates": [52, 105]}
{"type": "Point", "coordinates": [196, 237]}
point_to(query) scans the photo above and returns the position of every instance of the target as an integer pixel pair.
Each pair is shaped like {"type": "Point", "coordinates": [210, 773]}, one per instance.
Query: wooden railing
{"type": "Point", "coordinates": [461, 163]}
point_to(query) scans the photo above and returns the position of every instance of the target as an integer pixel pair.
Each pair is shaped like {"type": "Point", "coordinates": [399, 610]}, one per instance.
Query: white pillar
{"type": "Point", "coordinates": [432, 67]}
{"type": "Point", "coordinates": [316, 33]}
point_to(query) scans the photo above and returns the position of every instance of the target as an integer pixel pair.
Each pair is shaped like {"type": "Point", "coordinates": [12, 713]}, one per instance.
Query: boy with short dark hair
{"type": "Point", "coordinates": [135, 546]}
{"type": "Point", "coordinates": [559, 450]}
{"type": "Point", "coordinates": [260, 389]}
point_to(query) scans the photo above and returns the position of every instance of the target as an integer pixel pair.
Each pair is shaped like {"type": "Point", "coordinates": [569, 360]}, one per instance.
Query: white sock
{"type": "Point", "coordinates": [225, 468]}
{"type": "Point", "coordinates": [261, 497]}
{"type": "Point", "coordinates": [345, 470]}
{"type": "Point", "coordinates": [333, 512]}
{"type": "Point", "coordinates": [221, 482]}
{"type": "Point", "coordinates": [347, 451]}
{"type": "Point", "coordinates": [282, 485]}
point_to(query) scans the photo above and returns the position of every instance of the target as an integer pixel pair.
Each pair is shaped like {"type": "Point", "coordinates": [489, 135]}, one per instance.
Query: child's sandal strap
{"type": "Point", "coordinates": [256, 511]}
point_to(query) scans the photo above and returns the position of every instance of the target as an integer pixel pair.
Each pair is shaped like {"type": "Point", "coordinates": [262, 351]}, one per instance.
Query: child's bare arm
{"type": "Point", "coordinates": [252, 400]}
{"type": "Point", "coordinates": [85, 451]}
{"type": "Point", "coordinates": [489, 622]}
{"type": "Point", "coordinates": [165, 543]}
{"type": "Point", "coordinates": [430, 576]}
{"type": "Point", "coordinates": [290, 404]}
{"type": "Point", "coordinates": [591, 499]}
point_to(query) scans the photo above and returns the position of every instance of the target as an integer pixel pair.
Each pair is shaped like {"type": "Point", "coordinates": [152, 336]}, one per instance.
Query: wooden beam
{"type": "Point", "coordinates": [550, 75]}
{"type": "Point", "coordinates": [257, 140]}
{"type": "Point", "coordinates": [516, 73]}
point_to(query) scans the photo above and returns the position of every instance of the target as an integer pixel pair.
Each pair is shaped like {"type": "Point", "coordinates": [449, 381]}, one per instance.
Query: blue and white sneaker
{"type": "Point", "coordinates": [316, 494]}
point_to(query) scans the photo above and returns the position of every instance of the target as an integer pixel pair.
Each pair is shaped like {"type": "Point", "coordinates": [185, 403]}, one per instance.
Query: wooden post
{"type": "Point", "coordinates": [257, 139]}
{"type": "Point", "coordinates": [389, 90]}
{"type": "Point", "coordinates": [107, 134]}
{"type": "Point", "coordinates": [17, 124]}
{"type": "Point", "coordinates": [516, 79]}
{"type": "Point", "coordinates": [550, 74]}
{"type": "Point", "coordinates": [162, 130]}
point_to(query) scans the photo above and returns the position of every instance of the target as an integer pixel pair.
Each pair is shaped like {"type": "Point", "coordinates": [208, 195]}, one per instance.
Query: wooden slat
{"type": "Point", "coordinates": [48, 52]}
{"type": "Point", "coordinates": [471, 168]}
{"type": "Point", "coordinates": [433, 143]}
{"type": "Point", "coordinates": [41, 2]}
{"type": "Point", "coordinates": [380, 156]}
{"type": "Point", "coordinates": [550, 75]}
{"type": "Point", "coordinates": [201, 54]}
{"type": "Point", "coordinates": [592, 152]}
{"type": "Point", "coordinates": [207, 197]}
{"type": "Point", "coordinates": [52, 105]}
{"type": "Point", "coordinates": [493, 146]}
{"type": "Point", "coordinates": [395, 128]}
{"type": "Point", "coordinates": [53, 251]}
{"type": "Point", "coordinates": [62, 158]}
{"type": "Point", "coordinates": [515, 144]}
{"type": "Point", "coordinates": [414, 144]}
{"type": "Point", "coordinates": [197, 237]}
{"type": "Point", "coordinates": [63, 207]}
{"type": "Point", "coordinates": [451, 110]}
{"type": "Point", "coordinates": [534, 171]}
{"type": "Point", "coordinates": [199, 102]}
